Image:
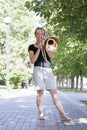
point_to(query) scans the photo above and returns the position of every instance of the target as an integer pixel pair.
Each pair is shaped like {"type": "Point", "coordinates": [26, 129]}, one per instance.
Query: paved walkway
{"type": "Point", "coordinates": [18, 111]}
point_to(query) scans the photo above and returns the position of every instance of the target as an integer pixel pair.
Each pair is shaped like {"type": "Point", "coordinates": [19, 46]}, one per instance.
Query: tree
{"type": "Point", "coordinates": [23, 25]}
{"type": "Point", "coordinates": [68, 21]}
{"type": "Point", "coordinates": [69, 16]}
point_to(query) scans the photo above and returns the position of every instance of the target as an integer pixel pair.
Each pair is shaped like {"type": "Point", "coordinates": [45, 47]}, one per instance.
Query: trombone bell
{"type": "Point", "coordinates": [51, 43]}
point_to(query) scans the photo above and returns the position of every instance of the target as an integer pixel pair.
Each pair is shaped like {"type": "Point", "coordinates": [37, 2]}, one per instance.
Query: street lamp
{"type": "Point", "coordinates": [7, 22]}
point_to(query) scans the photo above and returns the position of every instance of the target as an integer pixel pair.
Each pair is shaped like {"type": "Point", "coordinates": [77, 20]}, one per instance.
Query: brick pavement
{"type": "Point", "coordinates": [18, 111]}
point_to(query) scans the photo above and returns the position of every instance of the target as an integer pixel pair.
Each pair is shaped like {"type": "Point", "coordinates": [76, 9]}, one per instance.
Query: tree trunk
{"type": "Point", "coordinates": [72, 81]}
{"type": "Point", "coordinates": [67, 81]}
{"type": "Point", "coordinates": [81, 80]}
{"type": "Point", "coordinates": [62, 81]}
{"type": "Point", "coordinates": [57, 80]}
{"type": "Point", "coordinates": [77, 79]}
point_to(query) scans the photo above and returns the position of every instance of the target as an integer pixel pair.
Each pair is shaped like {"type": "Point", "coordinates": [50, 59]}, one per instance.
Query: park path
{"type": "Point", "coordinates": [18, 111]}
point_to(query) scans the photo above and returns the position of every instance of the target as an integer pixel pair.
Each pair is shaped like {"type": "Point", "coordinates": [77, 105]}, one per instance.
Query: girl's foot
{"type": "Point", "coordinates": [41, 117]}
{"type": "Point", "coordinates": [65, 118]}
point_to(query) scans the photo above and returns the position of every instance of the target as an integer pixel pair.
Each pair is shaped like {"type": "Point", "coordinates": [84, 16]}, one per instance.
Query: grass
{"type": "Point", "coordinates": [84, 102]}
{"type": "Point", "coordinates": [67, 89]}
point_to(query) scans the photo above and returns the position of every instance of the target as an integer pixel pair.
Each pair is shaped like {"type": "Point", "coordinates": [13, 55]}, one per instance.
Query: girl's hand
{"type": "Point", "coordinates": [40, 43]}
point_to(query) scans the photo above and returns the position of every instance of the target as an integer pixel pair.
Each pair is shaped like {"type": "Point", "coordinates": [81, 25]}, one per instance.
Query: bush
{"type": "Point", "coordinates": [2, 80]}
{"type": "Point", "coordinates": [15, 81]}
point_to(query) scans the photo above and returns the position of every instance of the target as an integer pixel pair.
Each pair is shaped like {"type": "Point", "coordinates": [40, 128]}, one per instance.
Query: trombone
{"type": "Point", "coordinates": [50, 44]}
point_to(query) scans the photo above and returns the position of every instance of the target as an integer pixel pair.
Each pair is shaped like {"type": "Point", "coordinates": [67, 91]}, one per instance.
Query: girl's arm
{"type": "Point", "coordinates": [33, 57]}
{"type": "Point", "coordinates": [50, 54]}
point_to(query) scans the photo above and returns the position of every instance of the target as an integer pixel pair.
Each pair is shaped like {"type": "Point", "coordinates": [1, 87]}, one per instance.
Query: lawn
{"type": "Point", "coordinates": [67, 89]}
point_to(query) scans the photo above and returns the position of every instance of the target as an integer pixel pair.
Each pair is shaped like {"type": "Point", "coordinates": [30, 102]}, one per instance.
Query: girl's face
{"type": "Point", "coordinates": [39, 34]}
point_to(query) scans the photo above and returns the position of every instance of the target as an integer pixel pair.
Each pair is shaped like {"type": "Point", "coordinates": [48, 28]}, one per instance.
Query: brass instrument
{"type": "Point", "coordinates": [51, 43]}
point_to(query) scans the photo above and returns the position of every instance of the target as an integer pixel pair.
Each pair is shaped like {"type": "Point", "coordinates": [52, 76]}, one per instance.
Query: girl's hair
{"type": "Point", "coordinates": [38, 29]}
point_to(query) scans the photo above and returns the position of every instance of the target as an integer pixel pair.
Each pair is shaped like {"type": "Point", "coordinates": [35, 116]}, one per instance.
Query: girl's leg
{"type": "Point", "coordinates": [58, 104]}
{"type": "Point", "coordinates": [39, 101]}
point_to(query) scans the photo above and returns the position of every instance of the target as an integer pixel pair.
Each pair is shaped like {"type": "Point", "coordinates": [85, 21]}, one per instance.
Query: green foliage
{"type": "Point", "coordinates": [2, 80]}
{"type": "Point", "coordinates": [68, 21]}
{"type": "Point", "coordinates": [15, 80]}
{"type": "Point", "coordinates": [69, 59]}
{"type": "Point", "coordinates": [68, 16]}
{"type": "Point", "coordinates": [23, 24]}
